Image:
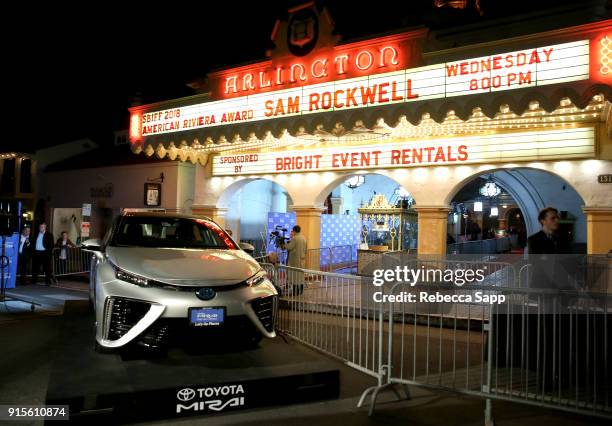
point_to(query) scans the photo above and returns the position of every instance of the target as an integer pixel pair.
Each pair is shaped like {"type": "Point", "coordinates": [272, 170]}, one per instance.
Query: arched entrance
{"type": "Point", "coordinates": [364, 215]}
{"type": "Point", "coordinates": [504, 203]}
{"type": "Point", "coordinates": [253, 207]}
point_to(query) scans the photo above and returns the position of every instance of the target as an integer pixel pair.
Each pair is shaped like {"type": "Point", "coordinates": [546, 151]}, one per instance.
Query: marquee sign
{"type": "Point", "coordinates": [513, 70]}
{"type": "Point", "coordinates": [324, 67]}
{"type": "Point", "coordinates": [504, 147]}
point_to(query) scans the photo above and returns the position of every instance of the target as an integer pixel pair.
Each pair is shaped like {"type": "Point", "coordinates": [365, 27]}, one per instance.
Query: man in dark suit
{"type": "Point", "coordinates": [549, 270]}
{"type": "Point", "coordinates": [25, 253]}
{"type": "Point", "coordinates": [547, 241]}
{"type": "Point", "coordinates": [42, 251]}
{"type": "Point", "coordinates": [552, 270]}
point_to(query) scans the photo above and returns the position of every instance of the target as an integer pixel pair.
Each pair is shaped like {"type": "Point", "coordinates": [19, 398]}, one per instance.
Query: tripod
{"type": "Point", "coordinates": [4, 263]}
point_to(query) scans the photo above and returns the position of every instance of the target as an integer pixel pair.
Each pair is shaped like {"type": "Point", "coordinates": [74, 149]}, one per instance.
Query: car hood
{"type": "Point", "coordinates": [188, 267]}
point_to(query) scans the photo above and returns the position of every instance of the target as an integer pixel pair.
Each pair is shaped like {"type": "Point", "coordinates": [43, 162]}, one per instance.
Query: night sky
{"type": "Point", "coordinates": [73, 69]}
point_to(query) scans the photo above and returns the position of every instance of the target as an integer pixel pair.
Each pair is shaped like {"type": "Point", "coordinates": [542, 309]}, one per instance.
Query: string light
{"type": "Point", "coordinates": [606, 55]}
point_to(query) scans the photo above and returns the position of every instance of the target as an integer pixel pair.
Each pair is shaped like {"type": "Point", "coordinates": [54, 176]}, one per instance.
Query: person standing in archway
{"type": "Point", "coordinates": [549, 270]}
{"type": "Point", "coordinates": [296, 258]}
{"type": "Point", "coordinates": [554, 272]}
{"type": "Point", "coordinates": [547, 240]}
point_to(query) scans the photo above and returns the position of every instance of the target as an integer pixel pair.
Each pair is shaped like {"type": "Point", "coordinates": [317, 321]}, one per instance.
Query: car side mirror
{"type": "Point", "coordinates": [93, 244]}
{"type": "Point", "coordinates": [247, 247]}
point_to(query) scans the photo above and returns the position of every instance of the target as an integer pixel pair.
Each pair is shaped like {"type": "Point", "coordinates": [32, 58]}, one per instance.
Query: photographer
{"type": "Point", "coordinates": [296, 257]}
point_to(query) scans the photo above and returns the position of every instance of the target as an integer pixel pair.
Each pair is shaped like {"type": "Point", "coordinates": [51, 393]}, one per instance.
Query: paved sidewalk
{"type": "Point", "coordinates": [33, 341]}
{"type": "Point", "coordinates": [49, 300]}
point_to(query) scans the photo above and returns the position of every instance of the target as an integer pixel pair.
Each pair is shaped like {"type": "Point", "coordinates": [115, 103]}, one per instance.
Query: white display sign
{"type": "Point", "coordinates": [505, 147]}
{"type": "Point", "coordinates": [514, 70]}
{"type": "Point", "coordinates": [85, 226]}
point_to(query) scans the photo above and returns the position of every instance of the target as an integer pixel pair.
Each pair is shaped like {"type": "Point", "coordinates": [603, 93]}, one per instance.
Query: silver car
{"type": "Point", "coordinates": [157, 278]}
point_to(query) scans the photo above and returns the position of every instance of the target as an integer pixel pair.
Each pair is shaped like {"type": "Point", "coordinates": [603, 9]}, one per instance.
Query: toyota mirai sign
{"type": "Point", "coordinates": [160, 267]}
{"type": "Point", "coordinates": [211, 398]}
{"type": "Point", "coordinates": [185, 395]}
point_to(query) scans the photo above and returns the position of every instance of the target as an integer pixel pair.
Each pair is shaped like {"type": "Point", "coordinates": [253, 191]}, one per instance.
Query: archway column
{"type": "Point", "coordinates": [432, 223]}
{"type": "Point", "coordinates": [599, 229]}
{"type": "Point", "coordinates": [215, 213]}
{"type": "Point", "coordinates": [309, 219]}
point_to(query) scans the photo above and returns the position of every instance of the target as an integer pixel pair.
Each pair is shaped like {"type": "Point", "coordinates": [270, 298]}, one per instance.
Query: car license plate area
{"type": "Point", "coordinates": [206, 317]}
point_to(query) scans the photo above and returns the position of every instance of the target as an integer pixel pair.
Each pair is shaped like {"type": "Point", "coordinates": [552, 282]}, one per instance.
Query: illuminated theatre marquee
{"type": "Point", "coordinates": [340, 65]}
{"type": "Point", "coordinates": [525, 68]}
{"type": "Point", "coordinates": [510, 147]}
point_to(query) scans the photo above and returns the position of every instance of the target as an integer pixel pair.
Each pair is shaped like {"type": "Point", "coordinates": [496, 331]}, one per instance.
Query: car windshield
{"type": "Point", "coordinates": [142, 231]}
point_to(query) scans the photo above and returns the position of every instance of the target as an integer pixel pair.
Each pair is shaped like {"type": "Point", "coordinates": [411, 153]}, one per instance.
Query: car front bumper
{"type": "Point", "coordinates": [126, 312]}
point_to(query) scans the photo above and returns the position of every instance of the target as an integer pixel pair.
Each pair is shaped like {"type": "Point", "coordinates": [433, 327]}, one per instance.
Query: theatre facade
{"type": "Point", "coordinates": [530, 112]}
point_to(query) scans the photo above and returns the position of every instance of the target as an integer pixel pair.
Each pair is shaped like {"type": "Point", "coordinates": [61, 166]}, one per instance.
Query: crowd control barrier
{"type": "Point", "coordinates": [542, 346]}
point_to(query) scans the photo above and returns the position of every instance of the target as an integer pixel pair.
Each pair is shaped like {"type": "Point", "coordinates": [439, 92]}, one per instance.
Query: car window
{"type": "Point", "coordinates": [170, 232]}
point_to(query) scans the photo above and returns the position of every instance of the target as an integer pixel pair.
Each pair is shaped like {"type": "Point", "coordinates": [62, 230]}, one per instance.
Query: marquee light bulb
{"type": "Point", "coordinates": [606, 55]}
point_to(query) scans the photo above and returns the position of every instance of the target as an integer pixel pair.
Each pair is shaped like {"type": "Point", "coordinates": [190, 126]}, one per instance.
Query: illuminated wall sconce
{"type": "Point", "coordinates": [494, 211]}
{"type": "Point", "coordinates": [477, 206]}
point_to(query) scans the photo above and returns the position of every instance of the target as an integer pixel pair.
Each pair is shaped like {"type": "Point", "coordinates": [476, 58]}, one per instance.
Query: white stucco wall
{"type": "Point", "coordinates": [72, 188]}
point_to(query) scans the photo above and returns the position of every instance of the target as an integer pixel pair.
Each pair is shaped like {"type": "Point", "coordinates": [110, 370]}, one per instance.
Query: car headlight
{"type": "Point", "coordinates": [256, 279]}
{"type": "Point", "coordinates": [122, 275]}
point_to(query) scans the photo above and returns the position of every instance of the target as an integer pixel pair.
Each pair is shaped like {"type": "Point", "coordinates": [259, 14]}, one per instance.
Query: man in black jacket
{"type": "Point", "coordinates": [546, 241]}
{"type": "Point", "coordinates": [552, 270]}
{"type": "Point", "coordinates": [42, 252]}
{"type": "Point", "coordinates": [549, 270]}
{"type": "Point", "coordinates": [25, 252]}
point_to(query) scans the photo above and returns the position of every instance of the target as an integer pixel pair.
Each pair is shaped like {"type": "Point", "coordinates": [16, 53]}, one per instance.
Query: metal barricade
{"type": "Point", "coordinates": [543, 347]}
{"type": "Point", "coordinates": [333, 313]}
{"type": "Point", "coordinates": [318, 259]}
{"type": "Point", "coordinates": [75, 261]}
{"type": "Point", "coordinates": [332, 258]}
{"type": "Point", "coordinates": [343, 257]}
{"type": "Point", "coordinates": [487, 246]}
{"type": "Point", "coordinates": [328, 259]}
{"type": "Point", "coordinates": [270, 271]}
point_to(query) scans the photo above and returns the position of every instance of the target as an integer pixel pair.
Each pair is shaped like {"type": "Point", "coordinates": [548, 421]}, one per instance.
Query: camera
{"type": "Point", "coordinates": [278, 236]}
